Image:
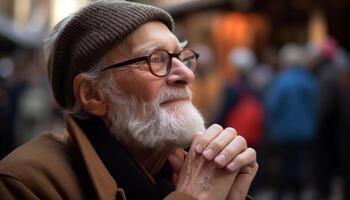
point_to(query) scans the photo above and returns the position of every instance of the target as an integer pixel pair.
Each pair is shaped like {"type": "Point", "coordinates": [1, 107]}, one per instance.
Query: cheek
{"type": "Point", "coordinates": [149, 91]}
{"type": "Point", "coordinates": [142, 86]}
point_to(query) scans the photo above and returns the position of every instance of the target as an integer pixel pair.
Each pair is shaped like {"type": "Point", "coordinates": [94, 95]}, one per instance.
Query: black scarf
{"type": "Point", "coordinates": [123, 168]}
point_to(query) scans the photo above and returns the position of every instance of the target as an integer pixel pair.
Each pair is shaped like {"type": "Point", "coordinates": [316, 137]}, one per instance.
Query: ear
{"type": "Point", "coordinates": [88, 96]}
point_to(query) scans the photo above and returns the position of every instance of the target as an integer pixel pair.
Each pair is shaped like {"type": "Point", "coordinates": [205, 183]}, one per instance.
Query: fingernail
{"type": "Point", "coordinates": [208, 154]}
{"type": "Point", "coordinates": [221, 159]}
{"type": "Point", "coordinates": [199, 148]}
{"type": "Point", "coordinates": [232, 166]}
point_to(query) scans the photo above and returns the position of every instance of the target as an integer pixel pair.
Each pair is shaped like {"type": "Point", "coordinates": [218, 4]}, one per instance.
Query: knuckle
{"type": "Point", "coordinates": [242, 141]}
{"type": "Point", "coordinates": [229, 152]}
{"type": "Point", "coordinates": [253, 153]}
{"type": "Point", "coordinates": [203, 140]}
{"type": "Point", "coordinates": [215, 145]}
{"type": "Point", "coordinates": [253, 168]}
{"type": "Point", "coordinates": [231, 149]}
{"type": "Point", "coordinates": [239, 160]}
{"type": "Point", "coordinates": [246, 157]}
{"type": "Point", "coordinates": [251, 150]}
{"type": "Point", "coordinates": [217, 127]}
{"type": "Point", "coordinates": [256, 165]}
{"type": "Point", "coordinates": [231, 130]}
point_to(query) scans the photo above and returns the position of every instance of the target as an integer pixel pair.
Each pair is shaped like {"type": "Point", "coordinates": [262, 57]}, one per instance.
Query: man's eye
{"type": "Point", "coordinates": [144, 67]}
{"type": "Point", "coordinates": [156, 60]}
{"type": "Point", "coordinates": [188, 58]}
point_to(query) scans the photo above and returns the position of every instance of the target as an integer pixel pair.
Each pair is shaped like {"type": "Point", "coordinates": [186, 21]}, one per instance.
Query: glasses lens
{"type": "Point", "coordinates": [159, 62]}
{"type": "Point", "coordinates": [189, 59]}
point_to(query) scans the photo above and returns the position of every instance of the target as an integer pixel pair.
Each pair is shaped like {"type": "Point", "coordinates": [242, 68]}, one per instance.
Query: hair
{"type": "Point", "coordinates": [292, 54]}
{"type": "Point", "coordinates": [94, 74]}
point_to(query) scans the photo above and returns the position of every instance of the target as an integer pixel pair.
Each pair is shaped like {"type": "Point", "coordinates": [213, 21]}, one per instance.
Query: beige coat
{"type": "Point", "coordinates": [49, 167]}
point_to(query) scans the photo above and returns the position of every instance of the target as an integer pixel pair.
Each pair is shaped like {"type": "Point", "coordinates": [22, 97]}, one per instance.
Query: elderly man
{"type": "Point", "coordinates": [124, 78]}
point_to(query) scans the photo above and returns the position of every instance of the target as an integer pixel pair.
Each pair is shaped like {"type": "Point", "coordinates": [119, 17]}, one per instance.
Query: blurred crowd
{"type": "Point", "coordinates": [296, 113]}
{"type": "Point", "coordinates": [27, 107]}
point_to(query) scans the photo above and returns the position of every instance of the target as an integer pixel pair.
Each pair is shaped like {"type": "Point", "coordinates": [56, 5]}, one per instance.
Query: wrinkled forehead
{"type": "Point", "coordinates": [143, 41]}
{"type": "Point", "coordinates": [152, 36]}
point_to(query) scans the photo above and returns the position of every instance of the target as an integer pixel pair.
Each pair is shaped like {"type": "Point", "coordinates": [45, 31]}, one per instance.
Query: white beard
{"type": "Point", "coordinates": [151, 125]}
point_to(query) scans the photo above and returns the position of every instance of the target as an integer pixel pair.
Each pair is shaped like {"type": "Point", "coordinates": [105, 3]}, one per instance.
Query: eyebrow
{"type": "Point", "coordinates": [183, 44]}
{"type": "Point", "coordinates": [148, 50]}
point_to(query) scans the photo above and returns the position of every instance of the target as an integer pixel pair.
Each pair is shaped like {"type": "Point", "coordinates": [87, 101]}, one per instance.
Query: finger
{"type": "Point", "coordinates": [243, 181]}
{"type": "Point", "coordinates": [251, 168]}
{"type": "Point", "coordinates": [243, 159]}
{"type": "Point", "coordinates": [202, 141]}
{"type": "Point", "coordinates": [176, 162]}
{"type": "Point", "coordinates": [196, 138]}
{"type": "Point", "coordinates": [235, 147]}
{"type": "Point", "coordinates": [219, 143]}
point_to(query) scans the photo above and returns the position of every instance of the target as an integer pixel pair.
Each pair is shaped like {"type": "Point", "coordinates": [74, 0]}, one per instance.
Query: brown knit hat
{"type": "Point", "coordinates": [88, 34]}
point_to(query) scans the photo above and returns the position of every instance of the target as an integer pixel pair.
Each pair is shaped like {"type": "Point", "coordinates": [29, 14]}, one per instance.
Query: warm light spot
{"type": "Point", "coordinates": [317, 30]}
{"type": "Point", "coordinates": [62, 8]}
{"type": "Point", "coordinates": [21, 12]}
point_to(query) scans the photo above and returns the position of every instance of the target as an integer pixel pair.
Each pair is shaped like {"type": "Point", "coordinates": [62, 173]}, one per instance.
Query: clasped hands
{"type": "Point", "coordinates": [219, 166]}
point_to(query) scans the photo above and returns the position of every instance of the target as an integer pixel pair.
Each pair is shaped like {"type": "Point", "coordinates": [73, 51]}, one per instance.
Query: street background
{"type": "Point", "coordinates": [277, 71]}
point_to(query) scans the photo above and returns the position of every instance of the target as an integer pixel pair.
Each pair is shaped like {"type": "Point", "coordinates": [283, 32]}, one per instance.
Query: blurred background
{"type": "Point", "coordinates": [277, 71]}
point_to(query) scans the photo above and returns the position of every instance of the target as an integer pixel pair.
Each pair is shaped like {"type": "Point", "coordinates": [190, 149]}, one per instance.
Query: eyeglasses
{"type": "Point", "coordinates": [159, 62]}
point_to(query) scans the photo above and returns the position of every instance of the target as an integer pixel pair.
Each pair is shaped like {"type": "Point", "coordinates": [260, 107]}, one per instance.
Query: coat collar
{"type": "Point", "coordinates": [103, 183]}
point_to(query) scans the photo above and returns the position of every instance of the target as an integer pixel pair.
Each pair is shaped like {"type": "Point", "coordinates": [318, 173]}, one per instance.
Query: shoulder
{"type": "Point", "coordinates": [42, 152]}
{"type": "Point", "coordinates": [46, 160]}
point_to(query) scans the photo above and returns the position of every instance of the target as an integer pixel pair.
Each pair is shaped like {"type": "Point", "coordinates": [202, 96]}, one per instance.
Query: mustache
{"type": "Point", "coordinates": [169, 94]}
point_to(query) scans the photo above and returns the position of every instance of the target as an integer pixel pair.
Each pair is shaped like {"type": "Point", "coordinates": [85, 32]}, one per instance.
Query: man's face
{"type": "Point", "coordinates": [144, 108]}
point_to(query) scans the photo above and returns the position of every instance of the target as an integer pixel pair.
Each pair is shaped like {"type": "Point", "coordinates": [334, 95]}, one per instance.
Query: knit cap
{"type": "Point", "coordinates": [85, 36]}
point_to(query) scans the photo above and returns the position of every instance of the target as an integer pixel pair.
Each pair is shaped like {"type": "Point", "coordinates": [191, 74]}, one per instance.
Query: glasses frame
{"type": "Point", "coordinates": [148, 59]}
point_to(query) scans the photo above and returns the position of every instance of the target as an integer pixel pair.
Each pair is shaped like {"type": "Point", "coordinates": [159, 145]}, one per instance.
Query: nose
{"type": "Point", "coordinates": [180, 74]}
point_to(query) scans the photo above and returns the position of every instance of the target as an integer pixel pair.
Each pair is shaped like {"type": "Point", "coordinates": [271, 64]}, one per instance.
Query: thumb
{"type": "Point", "coordinates": [176, 161]}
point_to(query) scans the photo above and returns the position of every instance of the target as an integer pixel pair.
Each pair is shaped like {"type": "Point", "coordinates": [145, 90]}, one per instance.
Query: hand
{"type": "Point", "coordinates": [230, 152]}
{"type": "Point", "coordinates": [200, 177]}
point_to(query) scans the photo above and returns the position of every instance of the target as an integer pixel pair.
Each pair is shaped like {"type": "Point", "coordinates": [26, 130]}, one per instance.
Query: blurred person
{"type": "Point", "coordinates": [342, 62]}
{"type": "Point", "coordinates": [332, 71]}
{"type": "Point", "coordinates": [291, 106]}
{"type": "Point", "coordinates": [123, 78]}
{"type": "Point", "coordinates": [241, 107]}
{"type": "Point", "coordinates": [245, 111]}
{"type": "Point", "coordinates": [328, 129]}
{"type": "Point", "coordinates": [10, 91]}
{"type": "Point", "coordinates": [261, 75]}
{"type": "Point", "coordinates": [33, 105]}
{"type": "Point", "coordinates": [26, 85]}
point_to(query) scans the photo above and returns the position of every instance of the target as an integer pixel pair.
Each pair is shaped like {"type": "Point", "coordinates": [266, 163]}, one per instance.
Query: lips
{"type": "Point", "coordinates": [175, 100]}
